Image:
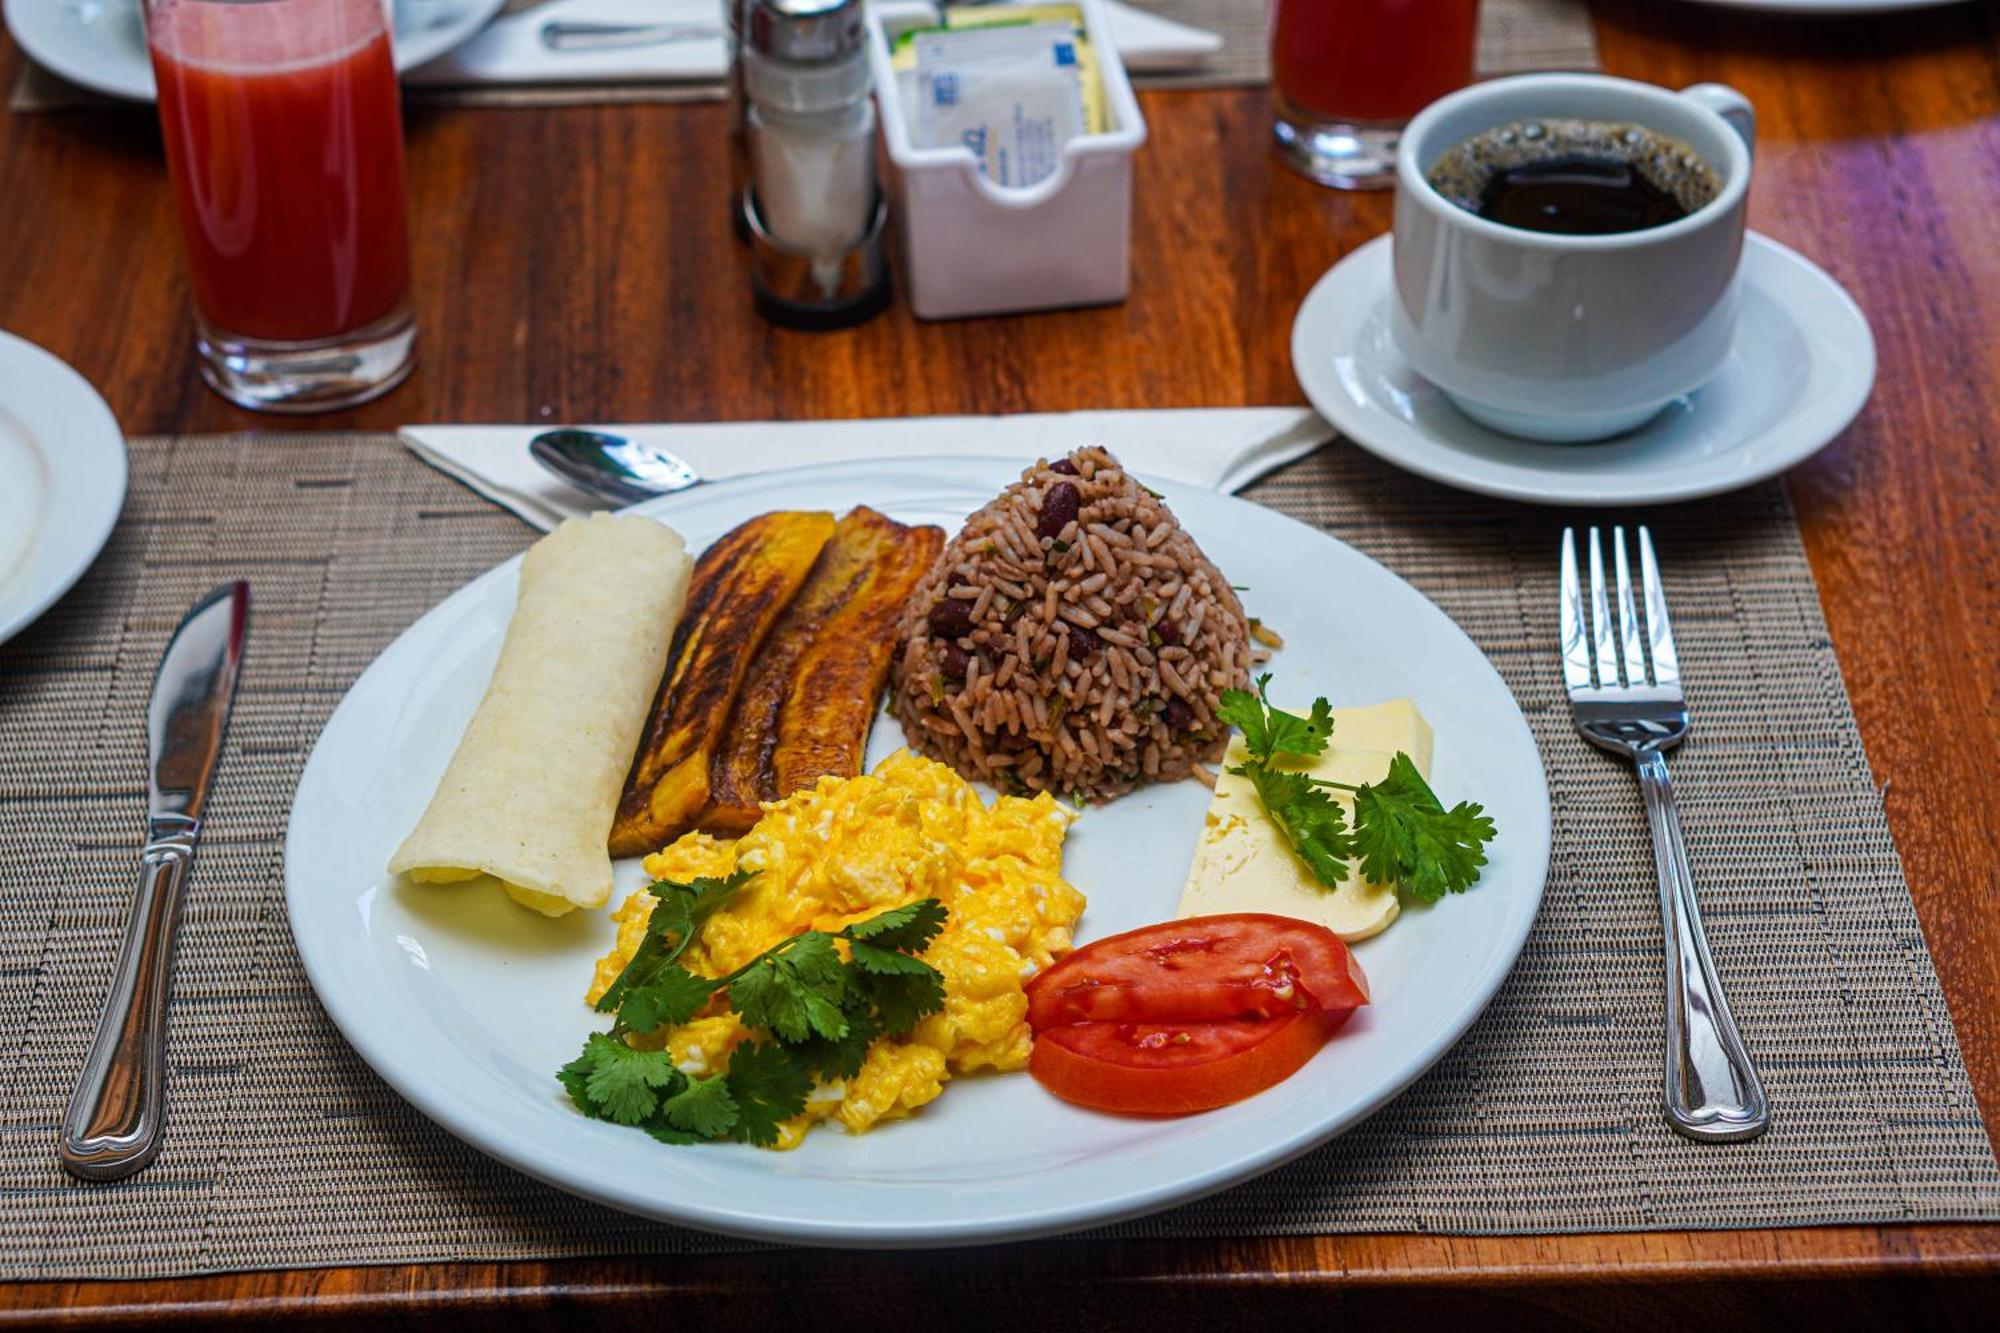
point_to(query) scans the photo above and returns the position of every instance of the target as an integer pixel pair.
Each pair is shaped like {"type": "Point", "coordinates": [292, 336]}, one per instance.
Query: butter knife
{"type": "Point", "coordinates": [116, 1115]}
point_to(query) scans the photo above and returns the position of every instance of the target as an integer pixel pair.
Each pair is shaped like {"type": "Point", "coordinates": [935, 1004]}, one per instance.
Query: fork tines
{"type": "Point", "coordinates": [1605, 645]}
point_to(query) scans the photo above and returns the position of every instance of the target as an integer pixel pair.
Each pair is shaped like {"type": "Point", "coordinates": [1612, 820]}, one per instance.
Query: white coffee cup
{"type": "Point", "coordinates": [1559, 337]}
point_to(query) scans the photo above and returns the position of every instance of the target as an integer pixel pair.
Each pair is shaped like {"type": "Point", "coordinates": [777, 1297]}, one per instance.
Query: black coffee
{"type": "Point", "coordinates": [1575, 177]}
{"type": "Point", "coordinates": [1577, 196]}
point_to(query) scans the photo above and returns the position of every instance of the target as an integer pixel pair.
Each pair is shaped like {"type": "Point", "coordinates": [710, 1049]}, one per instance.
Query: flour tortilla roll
{"type": "Point", "coordinates": [529, 794]}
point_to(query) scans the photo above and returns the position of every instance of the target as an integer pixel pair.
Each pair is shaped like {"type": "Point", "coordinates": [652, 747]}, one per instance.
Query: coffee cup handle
{"type": "Point", "coordinates": [1731, 105]}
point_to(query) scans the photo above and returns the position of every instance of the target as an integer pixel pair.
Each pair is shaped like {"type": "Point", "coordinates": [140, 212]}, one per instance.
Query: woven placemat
{"type": "Point", "coordinates": [1514, 35]}
{"type": "Point", "coordinates": [285, 1150]}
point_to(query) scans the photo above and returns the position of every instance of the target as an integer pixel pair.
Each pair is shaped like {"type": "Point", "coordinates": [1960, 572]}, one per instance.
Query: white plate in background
{"type": "Point", "coordinates": [467, 1004]}
{"type": "Point", "coordinates": [101, 44]}
{"type": "Point", "coordinates": [62, 480]}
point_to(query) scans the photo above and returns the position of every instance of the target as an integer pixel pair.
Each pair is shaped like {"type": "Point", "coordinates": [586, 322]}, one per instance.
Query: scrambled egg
{"type": "Point", "coordinates": [847, 849]}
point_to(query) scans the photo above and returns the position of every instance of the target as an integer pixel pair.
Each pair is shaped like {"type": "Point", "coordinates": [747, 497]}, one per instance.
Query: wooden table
{"type": "Point", "coordinates": [574, 265]}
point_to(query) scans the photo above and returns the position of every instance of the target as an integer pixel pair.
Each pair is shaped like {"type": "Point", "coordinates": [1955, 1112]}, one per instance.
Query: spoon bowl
{"type": "Point", "coordinates": [611, 467]}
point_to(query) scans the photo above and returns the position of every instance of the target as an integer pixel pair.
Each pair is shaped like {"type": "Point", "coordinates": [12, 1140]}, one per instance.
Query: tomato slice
{"type": "Point", "coordinates": [1202, 969]}
{"type": "Point", "coordinates": [1177, 1068]}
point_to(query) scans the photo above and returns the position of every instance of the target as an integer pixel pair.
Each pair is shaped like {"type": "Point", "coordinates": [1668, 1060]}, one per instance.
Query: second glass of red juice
{"type": "Point", "coordinates": [1349, 74]}
{"type": "Point", "coordinates": [284, 137]}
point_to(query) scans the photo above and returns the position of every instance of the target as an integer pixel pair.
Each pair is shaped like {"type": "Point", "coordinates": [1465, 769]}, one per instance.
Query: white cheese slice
{"type": "Point", "coordinates": [1244, 864]}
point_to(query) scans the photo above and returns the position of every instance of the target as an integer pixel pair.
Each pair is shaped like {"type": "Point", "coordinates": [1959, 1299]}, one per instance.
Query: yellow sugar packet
{"type": "Point", "coordinates": [959, 18]}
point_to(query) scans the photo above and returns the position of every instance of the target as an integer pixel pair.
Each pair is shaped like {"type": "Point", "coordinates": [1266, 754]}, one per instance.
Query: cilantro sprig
{"type": "Point", "coordinates": [653, 991]}
{"type": "Point", "coordinates": [816, 1012]}
{"type": "Point", "coordinates": [1269, 731]}
{"type": "Point", "coordinates": [1401, 835]}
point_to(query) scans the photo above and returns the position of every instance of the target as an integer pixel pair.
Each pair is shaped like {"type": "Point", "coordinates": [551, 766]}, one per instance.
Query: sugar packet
{"type": "Point", "coordinates": [1011, 94]}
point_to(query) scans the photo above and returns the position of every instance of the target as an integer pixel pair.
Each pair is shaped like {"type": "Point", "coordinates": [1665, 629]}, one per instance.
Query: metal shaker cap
{"type": "Point", "coordinates": [804, 31]}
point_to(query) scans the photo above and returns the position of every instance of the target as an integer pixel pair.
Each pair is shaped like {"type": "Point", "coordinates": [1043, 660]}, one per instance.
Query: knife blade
{"type": "Point", "coordinates": [116, 1116]}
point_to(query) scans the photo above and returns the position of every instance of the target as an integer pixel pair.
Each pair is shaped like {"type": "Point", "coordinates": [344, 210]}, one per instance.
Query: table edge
{"type": "Point", "coordinates": [1931, 1251]}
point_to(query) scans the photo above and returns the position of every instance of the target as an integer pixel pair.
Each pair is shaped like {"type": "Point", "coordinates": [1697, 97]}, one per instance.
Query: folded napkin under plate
{"type": "Point", "coordinates": [511, 49]}
{"type": "Point", "coordinates": [1222, 448]}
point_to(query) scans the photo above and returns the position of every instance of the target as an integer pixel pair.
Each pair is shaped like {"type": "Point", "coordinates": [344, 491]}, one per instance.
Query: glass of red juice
{"type": "Point", "coordinates": [1349, 74]}
{"type": "Point", "coordinates": [284, 137]}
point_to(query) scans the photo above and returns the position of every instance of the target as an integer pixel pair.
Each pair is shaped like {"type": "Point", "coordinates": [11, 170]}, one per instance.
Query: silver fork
{"type": "Point", "coordinates": [1624, 684]}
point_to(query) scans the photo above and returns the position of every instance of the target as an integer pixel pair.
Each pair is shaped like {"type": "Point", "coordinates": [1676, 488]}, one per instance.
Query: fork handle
{"type": "Point", "coordinates": [1712, 1090]}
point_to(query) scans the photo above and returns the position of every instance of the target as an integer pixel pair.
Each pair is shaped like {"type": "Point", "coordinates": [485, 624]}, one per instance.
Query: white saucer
{"type": "Point", "coordinates": [101, 44]}
{"type": "Point", "coordinates": [1802, 366]}
{"type": "Point", "coordinates": [62, 480]}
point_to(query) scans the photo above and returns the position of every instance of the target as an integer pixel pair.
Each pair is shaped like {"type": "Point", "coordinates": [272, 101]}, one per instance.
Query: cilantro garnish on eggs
{"type": "Point", "coordinates": [813, 1013]}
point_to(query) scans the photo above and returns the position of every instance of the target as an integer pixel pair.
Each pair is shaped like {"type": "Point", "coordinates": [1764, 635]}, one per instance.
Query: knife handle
{"type": "Point", "coordinates": [117, 1114]}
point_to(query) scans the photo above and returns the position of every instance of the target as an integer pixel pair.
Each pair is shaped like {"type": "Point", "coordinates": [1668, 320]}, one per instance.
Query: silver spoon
{"type": "Point", "coordinates": [587, 36]}
{"type": "Point", "coordinates": [623, 36]}
{"type": "Point", "coordinates": [611, 467]}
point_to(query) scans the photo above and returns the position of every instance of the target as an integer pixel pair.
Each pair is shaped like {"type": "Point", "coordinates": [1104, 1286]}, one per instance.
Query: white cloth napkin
{"type": "Point", "coordinates": [1222, 448]}
{"type": "Point", "coordinates": [510, 50]}
{"type": "Point", "coordinates": [1153, 43]}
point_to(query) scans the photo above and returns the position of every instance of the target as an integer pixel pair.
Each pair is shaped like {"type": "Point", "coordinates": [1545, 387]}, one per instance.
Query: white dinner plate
{"type": "Point", "coordinates": [62, 480]}
{"type": "Point", "coordinates": [468, 1004]}
{"type": "Point", "coordinates": [1801, 369]}
{"type": "Point", "coordinates": [101, 44]}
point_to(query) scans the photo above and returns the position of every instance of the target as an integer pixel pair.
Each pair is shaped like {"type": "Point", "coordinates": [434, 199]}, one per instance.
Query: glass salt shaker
{"type": "Point", "coordinates": [739, 140]}
{"type": "Point", "coordinates": [814, 210]}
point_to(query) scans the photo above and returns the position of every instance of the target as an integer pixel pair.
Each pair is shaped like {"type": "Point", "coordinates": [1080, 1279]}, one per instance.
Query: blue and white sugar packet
{"type": "Point", "coordinates": [1010, 94]}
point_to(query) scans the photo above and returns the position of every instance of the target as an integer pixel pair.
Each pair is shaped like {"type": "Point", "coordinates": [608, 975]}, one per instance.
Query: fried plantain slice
{"type": "Point", "coordinates": [741, 587]}
{"type": "Point", "coordinates": [806, 709]}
